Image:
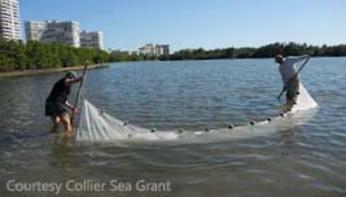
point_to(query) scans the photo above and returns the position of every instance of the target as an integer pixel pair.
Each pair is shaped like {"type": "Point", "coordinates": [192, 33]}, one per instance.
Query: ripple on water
{"type": "Point", "coordinates": [190, 95]}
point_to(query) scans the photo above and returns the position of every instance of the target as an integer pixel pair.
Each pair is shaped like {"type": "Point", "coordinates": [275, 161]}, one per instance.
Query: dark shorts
{"type": "Point", "coordinates": [292, 91]}
{"type": "Point", "coordinates": [54, 108]}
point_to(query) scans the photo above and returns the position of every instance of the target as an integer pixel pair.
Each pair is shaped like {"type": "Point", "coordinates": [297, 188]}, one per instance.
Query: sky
{"type": "Point", "coordinates": [129, 24]}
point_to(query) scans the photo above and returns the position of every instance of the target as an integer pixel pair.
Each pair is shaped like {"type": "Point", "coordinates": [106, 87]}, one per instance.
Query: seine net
{"type": "Point", "coordinates": [98, 126]}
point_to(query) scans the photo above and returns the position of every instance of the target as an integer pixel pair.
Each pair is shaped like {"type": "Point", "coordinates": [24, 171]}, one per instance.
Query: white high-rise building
{"type": "Point", "coordinates": [66, 32]}
{"type": "Point", "coordinates": [154, 50]}
{"type": "Point", "coordinates": [148, 49]}
{"type": "Point", "coordinates": [162, 49]}
{"type": "Point", "coordinates": [91, 39]}
{"type": "Point", "coordinates": [34, 30]}
{"type": "Point", "coordinates": [10, 27]}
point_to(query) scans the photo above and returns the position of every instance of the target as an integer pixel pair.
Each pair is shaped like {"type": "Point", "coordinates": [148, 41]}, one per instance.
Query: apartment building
{"type": "Point", "coordinates": [154, 50]}
{"type": "Point", "coordinates": [91, 39]}
{"type": "Point", "coordinates": [10, 26]}
{"type": "Point", "coordinates": [66, 32]}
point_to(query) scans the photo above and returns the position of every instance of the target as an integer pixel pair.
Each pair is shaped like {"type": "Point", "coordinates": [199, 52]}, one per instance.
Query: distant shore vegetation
{"type": "Point", "coordinates": [270, 50]}
{"type": "Point", "coordinates": [17, 55]}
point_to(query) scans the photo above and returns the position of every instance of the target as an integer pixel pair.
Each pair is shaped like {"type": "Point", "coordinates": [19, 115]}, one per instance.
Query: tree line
{"type": "Point", "coordinates": [16, 55]}
{"type": "Point", "coordinates": [125, 56]}
{"type": "Point", "coordinates": [270, 50]}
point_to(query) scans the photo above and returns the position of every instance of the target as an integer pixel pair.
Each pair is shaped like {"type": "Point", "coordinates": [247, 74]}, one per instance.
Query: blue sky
{"type": "Point", "coordinates": [128, 24]}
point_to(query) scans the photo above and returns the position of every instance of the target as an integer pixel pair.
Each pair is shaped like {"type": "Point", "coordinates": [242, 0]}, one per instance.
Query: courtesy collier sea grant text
{"type": "Point", "coordinates": [89, 185]}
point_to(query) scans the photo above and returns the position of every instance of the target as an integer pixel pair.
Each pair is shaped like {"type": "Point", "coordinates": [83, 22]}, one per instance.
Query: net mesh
{"type": "Point", "coordinates": [98, 126]}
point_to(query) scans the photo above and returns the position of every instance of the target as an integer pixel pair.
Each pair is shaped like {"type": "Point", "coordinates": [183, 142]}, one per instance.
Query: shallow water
{"type": "Point", "coordinates": [308, 160]}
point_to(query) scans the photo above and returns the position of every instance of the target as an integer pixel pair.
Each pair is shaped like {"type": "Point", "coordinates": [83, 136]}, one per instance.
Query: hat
{"type": "Point", "coordinates": [71, 74]}
{"type": "Point", "coordinates": [279, 56]}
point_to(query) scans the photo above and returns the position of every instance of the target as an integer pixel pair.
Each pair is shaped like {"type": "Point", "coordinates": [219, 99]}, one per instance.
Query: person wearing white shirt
{"type": "Point", "coordinates": [289, 76]}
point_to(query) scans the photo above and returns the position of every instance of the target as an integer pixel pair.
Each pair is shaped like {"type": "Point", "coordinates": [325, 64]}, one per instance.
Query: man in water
{"type": "Point", "coordinates": [290, 77]}
{"type": "Point", "coordinates": [57, 105]}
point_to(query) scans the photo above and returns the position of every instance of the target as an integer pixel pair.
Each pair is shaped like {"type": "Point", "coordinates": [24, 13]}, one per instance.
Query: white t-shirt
{"type": "Point", "coordinates": [287, 67]}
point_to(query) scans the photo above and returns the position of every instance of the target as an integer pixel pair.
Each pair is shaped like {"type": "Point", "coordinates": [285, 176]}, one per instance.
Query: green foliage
{"type": "Point", "coordinates": [15, 55]}
{"type": "Point", "coordinates": [270, 50]}
{"type": "Point", "coordinates": [122, 57]}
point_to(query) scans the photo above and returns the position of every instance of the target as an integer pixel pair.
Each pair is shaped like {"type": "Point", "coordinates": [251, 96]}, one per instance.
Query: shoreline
{"type": "Point", "coordinates": [237, 58]}
{"type": "Point", "coordinates": [49, 70]}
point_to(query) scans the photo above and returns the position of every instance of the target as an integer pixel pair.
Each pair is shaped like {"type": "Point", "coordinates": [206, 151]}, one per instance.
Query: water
{"type": "Point", "coordinates": [308, 160]}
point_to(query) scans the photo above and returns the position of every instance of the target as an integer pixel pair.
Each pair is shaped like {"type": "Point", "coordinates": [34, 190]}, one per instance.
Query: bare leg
{"type": "Point", "coordinates": [292, 94]}
{"type": "Point", "coordinates": [65, 118]}
{"type": "Point", "coordinates": [56, 120]}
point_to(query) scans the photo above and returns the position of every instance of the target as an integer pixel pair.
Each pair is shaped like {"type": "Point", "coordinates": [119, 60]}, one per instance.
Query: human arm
{"type": "Point", "coordinates": [301, 67]}
{"type": "Point", "coordinates": [73, 80]}
{"type": "Point", "coordinates": [71, 107]}
{"type": "Point", "coordinates": [294, 60]}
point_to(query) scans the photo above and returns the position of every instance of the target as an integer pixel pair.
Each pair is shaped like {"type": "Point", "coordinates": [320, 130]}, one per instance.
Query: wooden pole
{"type": "Point", "coordinates": [79, 92]}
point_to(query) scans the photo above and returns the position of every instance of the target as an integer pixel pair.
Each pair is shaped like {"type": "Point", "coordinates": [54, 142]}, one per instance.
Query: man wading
{"type": "Point", "coordinates": [290, 77]}
{"type": "Point", "coordinates": [57, 105]}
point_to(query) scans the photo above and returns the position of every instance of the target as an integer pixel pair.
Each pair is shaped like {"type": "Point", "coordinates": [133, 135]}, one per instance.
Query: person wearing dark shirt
{"type": "Point", "coordinates": [57, 104]}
